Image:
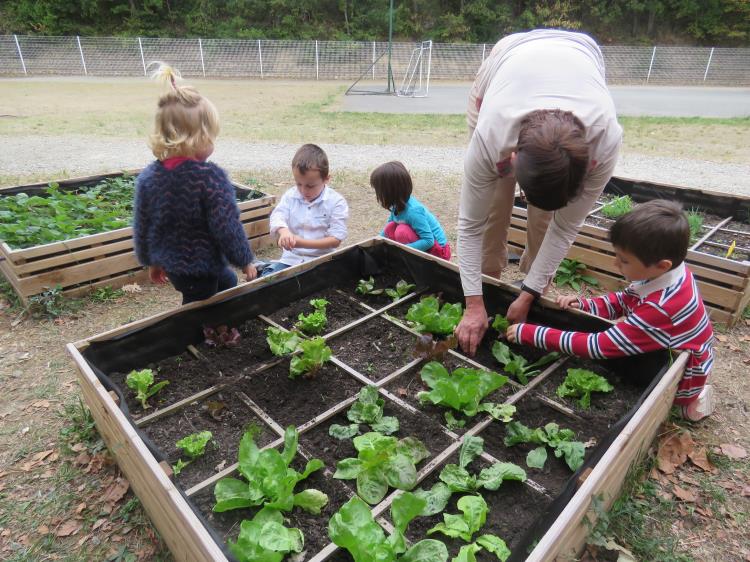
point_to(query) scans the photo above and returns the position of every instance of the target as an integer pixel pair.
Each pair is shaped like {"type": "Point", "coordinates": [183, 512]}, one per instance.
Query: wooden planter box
{"type": "Point", "coordinates": [181, 507]}
{"type": "Point", "coordinates": [724, 283]}
{"type": "Point", "coordinates": [82, 264]}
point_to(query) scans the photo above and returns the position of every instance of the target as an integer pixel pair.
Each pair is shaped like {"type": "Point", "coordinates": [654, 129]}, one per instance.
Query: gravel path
{"type": "Point", "coordinates": [78, 155]}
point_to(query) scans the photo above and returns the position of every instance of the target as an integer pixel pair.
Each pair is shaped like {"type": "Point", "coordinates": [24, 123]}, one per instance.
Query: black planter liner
{"type": "Point", "coordinates": [173, 334]}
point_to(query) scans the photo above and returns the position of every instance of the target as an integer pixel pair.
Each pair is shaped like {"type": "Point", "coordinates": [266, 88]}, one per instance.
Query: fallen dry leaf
{"type": "Point", "coordinates": [683, 494]}
{"type": "Point", "coordinates": [733, 451]}
{"type": "Point", "coordinates": [673, 451]}
{"type": "Point", "coordinates": [116, 491]}
{"type": "Point", "coordinates": [82, 458]}
{"type": "Point", "coordinates": [746, 491]}
{"type": "Point", "coordinates": [68, 528]}
{"type": "Point", "coordinates": [721, 338]}
{"type": "Point", "coordinates": [99, 523]}
{"type": "Point", "coordinates": [42, 529]}
{"type": "Point", "coordinates": [699, 457]}
{"type": "Point", "coordinates": [78, 447]}
{"type": "Point", "coordinates": [40, 456]}
{"type": "Point", "coordinates": [80, 508]}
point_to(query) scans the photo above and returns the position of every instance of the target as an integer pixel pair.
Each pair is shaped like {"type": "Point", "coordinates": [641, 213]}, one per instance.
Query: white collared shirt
{"type": "Point", "coordinates": [325, 216]}
{"type": "Point", "coordinates": [642, 289]}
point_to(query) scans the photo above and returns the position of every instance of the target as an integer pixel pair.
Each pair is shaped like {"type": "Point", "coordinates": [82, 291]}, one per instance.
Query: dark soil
{"type": "Point", "coordinates": [484, 351]}
{"type": "Point", "coordinates": [386, 280]}
{"type": "Point", "coordinates": [741, 251]}
{"type": "Point", "coordinates": [314, 527]}
{"type": "Point", "coordinates": [513, 509]}
{"type": "Point", "coordinates": [188, 375]}
{"type": "Point", "coordinates": [600, 221]}
{"type": "Point", "coordinates": [409, 385]}
{"type": "Point", "coordinates": [375, 349]}
{"type": "Point", "coordinates": [606, 407]}
{"type": "Point", "coordinates": [332, 450]}
{"type": "Point", "coordinates": [532, 413]}
{"type": "Point", "coordinates": [339, 312]}
{"type": "Point", "coordinates": [227, 424]}
{"type": "Point", "coordinates": [295, 401]}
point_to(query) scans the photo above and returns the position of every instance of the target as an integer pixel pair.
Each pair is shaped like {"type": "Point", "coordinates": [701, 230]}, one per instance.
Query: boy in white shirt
{"type": "Point", "coordinates": [310, 220]}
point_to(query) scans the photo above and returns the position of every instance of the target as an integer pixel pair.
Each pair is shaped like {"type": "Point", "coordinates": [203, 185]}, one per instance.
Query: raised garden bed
{"type": "Point", "coordinates": [81, 264]}
{"type": "Point", "coordinates": [547, 508]}
{"type": "Point", "coordinates": [724, 282]}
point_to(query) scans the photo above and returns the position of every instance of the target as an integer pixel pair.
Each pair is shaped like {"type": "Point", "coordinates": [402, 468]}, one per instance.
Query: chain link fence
{"type": "Point", "coordinates": [338, 60]}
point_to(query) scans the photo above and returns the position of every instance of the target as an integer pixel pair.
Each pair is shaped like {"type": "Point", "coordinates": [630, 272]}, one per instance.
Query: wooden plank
{"type": "Point", "coordinates": [72, 258]}
{"type": "Point", "coordinates": [257, 227]}
{"type": "Point", "coordinates": [186, 537]}
{"type": "Point", "coordinates": [566, 537]}
{"type": "Point", "coordinates": [139, 275]}
{"type": "Point", "coordinates": [54, 248]}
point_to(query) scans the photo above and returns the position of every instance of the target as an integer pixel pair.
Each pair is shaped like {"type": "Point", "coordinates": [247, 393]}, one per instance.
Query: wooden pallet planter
{"type": "Point", "coordinates": [724, 283]}
{"type": "Point", "coordinates": [176, 508]}
{"type": "Point", "coordinates": [83, 264]}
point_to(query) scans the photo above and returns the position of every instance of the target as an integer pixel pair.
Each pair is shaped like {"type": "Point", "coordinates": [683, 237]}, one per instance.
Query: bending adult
{"type": "Point", "coordinates": [539, 114]}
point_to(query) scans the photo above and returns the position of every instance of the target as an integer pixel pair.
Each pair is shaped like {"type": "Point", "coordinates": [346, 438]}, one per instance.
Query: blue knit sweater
{"type": "Point", "coordinates": [186, 220]}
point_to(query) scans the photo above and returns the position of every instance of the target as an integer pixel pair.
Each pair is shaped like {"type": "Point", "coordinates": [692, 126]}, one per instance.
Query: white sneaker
{"type": "Point", "coordinates": [701, 407]}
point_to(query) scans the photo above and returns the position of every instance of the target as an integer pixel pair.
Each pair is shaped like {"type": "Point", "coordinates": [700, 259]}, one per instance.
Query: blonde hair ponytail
{"type": "Point", "coordinates": [186, 123]}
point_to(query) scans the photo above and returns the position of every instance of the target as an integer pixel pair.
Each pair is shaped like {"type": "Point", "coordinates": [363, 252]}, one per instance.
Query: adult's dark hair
{"type": "Point", "coordinates": [392, 184]}
{"type": "Point", "coordinates": [551, 158]}
{"type": "Point", "coordinates": [311, 157]}
{"type": "Point", "coordinates": [653, 231]}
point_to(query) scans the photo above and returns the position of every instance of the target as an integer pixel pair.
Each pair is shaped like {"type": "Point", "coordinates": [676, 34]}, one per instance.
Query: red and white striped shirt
{"type": "Point", "coordinates": [664, 313]}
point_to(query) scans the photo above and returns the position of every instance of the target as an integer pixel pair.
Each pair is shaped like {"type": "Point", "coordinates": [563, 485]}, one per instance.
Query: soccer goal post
{"type": "Point", "coordinates": [416, 81]}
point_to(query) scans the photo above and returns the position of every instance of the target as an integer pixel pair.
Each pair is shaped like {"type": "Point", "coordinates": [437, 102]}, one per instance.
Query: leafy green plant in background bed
{"type": "Point", "coordinates": [617, 207]}
{"type": "Point", "coordinates": [561, 440]}
{"type": "Point", "coordinates": [367, 409]}
{"type": "Point", "coordinates": [142, 382]}
{"type": "Point", "coordinates": [518, 365]}
{"type": "Point", "coordinates": [382, 461]}
{"type": "Point", "coordinates": [282, 342]}
{"type": "Point", "coordinates": [571, 272]}
{"type": "Point", "coordinates": [264, 538]}
{"type": "Point", "coordinates": [580, 383]}
{"type": "Point", "coordinates": [457, 478]}
{"type": "Point", "coordinates": [367, 287]}
{"type": "Point", "coordinates": [463, 390]}
{"type": "Point", "coordinates": [354, 528]}
{"type": "Point", "coordinates": [695, 222]}
{"type": "Point", "coordinates": [193, 446]}
{"type": "Point", "coordinates": [314, 323]}
{"type": "Point", "coordinates": [428, 317]}
{"type": "Point", "coordinates": [269, 479]}
{"type": "Point", "coordinates": [314, 354]}
{"type": "Point", "coordinates": [27, 221]}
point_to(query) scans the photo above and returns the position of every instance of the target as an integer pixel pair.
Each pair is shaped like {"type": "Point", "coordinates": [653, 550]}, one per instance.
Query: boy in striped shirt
{"type": "Point", "coordinates": [662, 307]}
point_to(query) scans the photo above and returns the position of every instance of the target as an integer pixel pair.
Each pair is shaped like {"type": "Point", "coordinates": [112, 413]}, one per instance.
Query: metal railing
{"type": "Point", "coordinates": [338, 60]}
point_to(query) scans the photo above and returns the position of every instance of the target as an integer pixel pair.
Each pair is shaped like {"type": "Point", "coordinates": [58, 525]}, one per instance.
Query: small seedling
{"type": "Point", "coordinates": [617, 207]}
{"type": "Point", "coordinates": [106, 294]}
{"type": "Point", "coordinates": [518, 365]}
{"type": "Point", "coordinates": [368, 409]}
{"type": "Point", "coordinates": [367, 287]}
{"type": "Point", "coordinates": [501, 324]}
{"type": "Point", "coordinates": [193, 446]}
{"type": "Point", "coordinates": [400, 291]}
{"type": "Point", "coordinates": [221, 336]}
{"type": "Point", "coordinates": [142, 382]}
{"type": "Point", "coordinates": [314, 354]}
{"type": "Point", "coordinates": [695, 222]}
{"type": "Point", "coordinates": [428, 317]}
{"type": "Point", "coordinates": [571, 272]}
{"type": "Point", "coordinates": [282, 342]}
{"type": "Point", "coordinates": [561, 440]}
{"type": "Point", "coordinates": [580, 383]}
{"type": "Point", "coordinates": [314, 323]}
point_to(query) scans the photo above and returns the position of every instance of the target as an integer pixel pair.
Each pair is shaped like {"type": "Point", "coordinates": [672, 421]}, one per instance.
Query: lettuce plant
{"type": "Point", "coordinates": [264, 538]}
{"type": "Point", "coordinates": [382, 461]}
{"type": "Point", "coordinates": [314, 323]}
{"type": "Point", "coordinates": [353, 527]}
{"type": "Point", "coordinates": [194, 446]}
{"type": "Point", "coordinates": [580, 383]}
{"type": "Point", "coordinates": [221, 336]}
{"type": "Point", "coordinates": [142, 382]}
{"type": "Point", "coordinates": [314, 354]}
{"type": "Point", "coordinates": [401, 289]}
{"type": "Point", "coordinates": [500, 323]}
{"type": "Point", "coordinates": [367, 287]}
{"type": "Point", "coordinates": [367, 409]}
{"type": "Point", "coordinates": [560, 440]}
{"type": "Point", "coordinates": [490, 543]}
{"type": "Point", "coordinates": [282, 342]}
{"type": "Point", "coordinates": [269, 480]}
{"type": "Point", "coordinates": [429, 318]}
{"type": "Point", "coordinates": [462, 390]}
{"type": "Point", "coordinates": [456, 477]}
{"type": "Point", "coordinates": [518, 365]}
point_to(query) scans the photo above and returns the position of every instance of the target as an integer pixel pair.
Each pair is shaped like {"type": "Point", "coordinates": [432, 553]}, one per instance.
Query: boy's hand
{"type": "Point", "coordinates": [568, 302]}
{"type": "Point", "coordinates": [250, 272]}
{"type": "Point", "coordinates": [287, 240]}
{"type": "Point", "coordinates": [511, 332]}
{"type": "Point", "coordinates": [157, 274]}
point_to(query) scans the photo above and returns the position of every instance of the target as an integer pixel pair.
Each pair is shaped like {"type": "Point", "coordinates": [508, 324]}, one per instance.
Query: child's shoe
{"type": "Point", "coordinates": [701, 407]}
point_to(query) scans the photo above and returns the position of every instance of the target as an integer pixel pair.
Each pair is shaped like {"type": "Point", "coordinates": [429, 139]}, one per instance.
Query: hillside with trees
{"type": "Point", "coordinates": [689, 22]}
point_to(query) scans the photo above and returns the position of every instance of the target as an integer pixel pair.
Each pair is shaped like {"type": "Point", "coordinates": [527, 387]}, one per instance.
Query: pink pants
{"type": "Point", "coordinates": [404, 234]}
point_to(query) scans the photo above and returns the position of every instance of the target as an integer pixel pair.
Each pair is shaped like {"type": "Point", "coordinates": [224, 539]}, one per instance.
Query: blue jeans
{"type": "Point", "coordinates": [273, 267]}
{"type": "Point", "coordinates": [200, 288]}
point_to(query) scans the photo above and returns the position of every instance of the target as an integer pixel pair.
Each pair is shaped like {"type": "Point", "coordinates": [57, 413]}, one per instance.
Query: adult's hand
{"type": "Point", "coordinates": [473, 325]}
{"type": "Point", "coordinates": [519, 308]}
